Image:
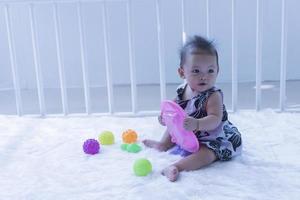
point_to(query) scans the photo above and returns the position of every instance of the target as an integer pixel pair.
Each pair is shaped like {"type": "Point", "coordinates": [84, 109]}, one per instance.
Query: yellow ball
{"type": "Point", "coordinates": [106, 138]}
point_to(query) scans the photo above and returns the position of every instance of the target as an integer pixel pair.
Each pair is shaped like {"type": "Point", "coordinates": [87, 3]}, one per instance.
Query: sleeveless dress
{"type": "Point", "coordinates": [225, 140]}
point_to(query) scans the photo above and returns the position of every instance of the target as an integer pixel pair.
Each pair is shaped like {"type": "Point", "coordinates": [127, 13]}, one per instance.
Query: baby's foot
{"type": "Point", "coordinates": [154, 144]}
{"type": "Point", "coordinates": [171, 173]}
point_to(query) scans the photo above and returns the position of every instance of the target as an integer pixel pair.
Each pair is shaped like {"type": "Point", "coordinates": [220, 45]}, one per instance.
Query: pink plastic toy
{"type": "Point", "coordinates": [173, 116]}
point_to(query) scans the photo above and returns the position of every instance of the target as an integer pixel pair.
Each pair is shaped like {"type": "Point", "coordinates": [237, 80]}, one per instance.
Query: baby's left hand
{"type": "Point", "coordinates": [190, 123]}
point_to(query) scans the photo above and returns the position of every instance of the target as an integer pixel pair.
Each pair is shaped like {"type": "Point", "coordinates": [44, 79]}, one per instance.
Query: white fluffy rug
{"type": "Point", "coordinates": [42, 159]}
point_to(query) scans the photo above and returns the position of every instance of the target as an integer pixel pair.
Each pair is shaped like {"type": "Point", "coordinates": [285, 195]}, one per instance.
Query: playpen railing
{"type": "Point", "coordinates": [133, 82]}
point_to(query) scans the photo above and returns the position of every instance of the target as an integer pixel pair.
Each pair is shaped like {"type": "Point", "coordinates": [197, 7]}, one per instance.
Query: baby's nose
{"type": "Point", "coordinates": [202, 76]}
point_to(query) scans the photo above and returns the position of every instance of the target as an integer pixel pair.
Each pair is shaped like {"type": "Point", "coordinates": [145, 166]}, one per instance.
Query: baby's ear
{"type": "Point", "coordinates": [181, 72]}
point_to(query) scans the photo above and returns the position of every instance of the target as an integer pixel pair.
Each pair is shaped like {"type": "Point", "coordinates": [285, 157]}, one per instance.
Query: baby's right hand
{"type": "Point", "coordinates": [160, 119]}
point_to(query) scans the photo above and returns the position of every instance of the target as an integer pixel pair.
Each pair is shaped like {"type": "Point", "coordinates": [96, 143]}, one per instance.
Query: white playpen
{"type": "Point", "coordinates": [119, 57]}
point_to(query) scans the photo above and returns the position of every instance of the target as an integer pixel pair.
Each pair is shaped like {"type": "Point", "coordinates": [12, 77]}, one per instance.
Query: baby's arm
{"type": "Point", "coordinates": [214, 109]}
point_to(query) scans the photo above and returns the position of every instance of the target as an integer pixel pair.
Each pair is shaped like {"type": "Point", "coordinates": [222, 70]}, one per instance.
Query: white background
{"type": "Point", "coordinates": [145, 40]}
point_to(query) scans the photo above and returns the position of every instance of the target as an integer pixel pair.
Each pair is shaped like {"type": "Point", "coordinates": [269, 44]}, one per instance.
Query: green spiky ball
{"type": "Point", "coordinates": [133, 148]}
{"type": "Point", "coordinates": [142, 167]}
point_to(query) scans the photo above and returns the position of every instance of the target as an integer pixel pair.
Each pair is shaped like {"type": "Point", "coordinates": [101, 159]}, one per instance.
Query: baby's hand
{"type": "Point", "coordinates": [160, 119]}
{"type": "Point", "coordinates": [190, 123]}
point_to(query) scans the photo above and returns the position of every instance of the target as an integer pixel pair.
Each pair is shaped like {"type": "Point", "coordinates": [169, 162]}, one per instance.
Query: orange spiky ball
{"type": "Point", "coordinates": [129, 136]}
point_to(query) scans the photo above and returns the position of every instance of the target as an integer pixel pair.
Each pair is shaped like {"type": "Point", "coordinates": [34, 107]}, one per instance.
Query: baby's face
{"type": "Point", "coordinates": [200, 71]}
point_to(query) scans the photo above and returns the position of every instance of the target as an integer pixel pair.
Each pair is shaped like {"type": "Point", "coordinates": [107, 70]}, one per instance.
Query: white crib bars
{"type": "Point", "coordinates": [258, 53]}
{"type": "Point", "coordinates": [133, 81]}
{"type": "Point", "coordinates": [59, 53]}
{"type": "Point", "coordinates": [283, 56]}
{"type": "Point", "coordinates": [12, 55]}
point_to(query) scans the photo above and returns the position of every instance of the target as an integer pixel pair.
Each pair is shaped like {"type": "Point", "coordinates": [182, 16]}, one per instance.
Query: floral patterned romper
{"type": "Point", "coordinates": [225, 140]}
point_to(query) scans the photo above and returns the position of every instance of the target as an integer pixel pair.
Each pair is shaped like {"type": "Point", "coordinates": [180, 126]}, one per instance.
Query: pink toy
{"type": "Point", "coordinates": [173, 116]}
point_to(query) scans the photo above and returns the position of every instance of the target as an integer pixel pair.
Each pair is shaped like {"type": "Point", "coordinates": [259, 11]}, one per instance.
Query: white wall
{"type": "Point", "coordinates": [145, 40]}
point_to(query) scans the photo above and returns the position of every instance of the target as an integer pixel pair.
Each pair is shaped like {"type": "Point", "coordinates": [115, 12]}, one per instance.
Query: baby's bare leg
{"type": "Point", "coordinates": [203, 157]}
{"type": "Point", "coordinates": [163, 145]}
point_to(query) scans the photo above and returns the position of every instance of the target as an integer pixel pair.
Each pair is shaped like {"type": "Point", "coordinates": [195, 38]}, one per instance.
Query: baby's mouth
{"type": "Point", "coordinates": [202, 84]}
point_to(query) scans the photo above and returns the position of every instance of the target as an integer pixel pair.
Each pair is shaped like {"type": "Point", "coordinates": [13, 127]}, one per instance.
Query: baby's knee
{"type": "Point", "coordinates": [207, 153]}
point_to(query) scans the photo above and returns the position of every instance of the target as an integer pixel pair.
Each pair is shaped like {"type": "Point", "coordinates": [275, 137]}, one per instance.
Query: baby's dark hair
{"type": "Point", "coordinates": [196, 45]}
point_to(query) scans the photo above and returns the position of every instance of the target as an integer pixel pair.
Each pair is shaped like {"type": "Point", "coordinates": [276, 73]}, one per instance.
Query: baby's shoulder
{"type": "Point", "coordinates": [180, 88]}
{"type": "Point", "coordinates": [180, 91]}
{"type": "Point", "coordinates": [215, 97]}
{"type": "Point", "coordinates": [215, 92]}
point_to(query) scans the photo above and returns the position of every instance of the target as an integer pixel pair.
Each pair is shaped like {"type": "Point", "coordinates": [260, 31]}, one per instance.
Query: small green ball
{"type": "Point", "coordinates": [124, 147]}
{"type": "Point", "coordinates": [142, 167]}
{"type": "Point", "coordinates": [133, 148]}
{"type": "Point", "coordinates": [106, 138]}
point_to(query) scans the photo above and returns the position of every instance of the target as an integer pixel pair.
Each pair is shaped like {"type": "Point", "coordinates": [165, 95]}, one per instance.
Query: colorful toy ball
{"type": "Point", "coordinates": [91, 146]}
{"type": "Point", "coordinates": [129, 136]}
{"type": "Point", "coordinates": [132, 148]}
{"type": "Point", "coordinates": [106, 138]}
{"type": "Point", "coordinates": [124, 146]}
{"type": "Point", "coordinates": [142, 167]}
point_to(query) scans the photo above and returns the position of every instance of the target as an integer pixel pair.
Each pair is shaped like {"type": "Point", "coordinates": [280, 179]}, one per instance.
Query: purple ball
{"type": "Point", "coordinates": [91, 146]}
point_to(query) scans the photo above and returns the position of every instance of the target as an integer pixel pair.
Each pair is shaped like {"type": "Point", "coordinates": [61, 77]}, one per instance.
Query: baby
{"type": "Point", "coordinates": [207, 116]}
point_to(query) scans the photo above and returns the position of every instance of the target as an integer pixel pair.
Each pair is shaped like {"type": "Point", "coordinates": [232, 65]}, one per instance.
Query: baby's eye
{"type": "Point", "coordinates": [195, 71]}
{"type": "Point", "coordinates": [211, 71]}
